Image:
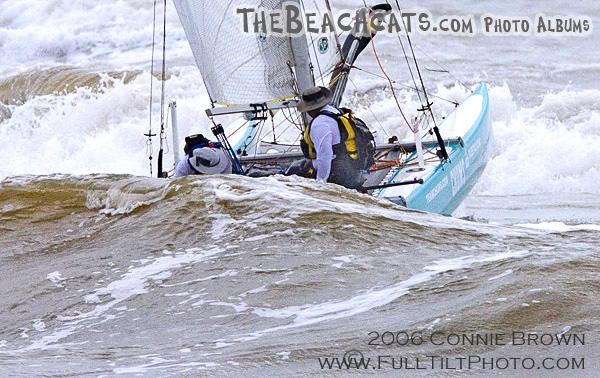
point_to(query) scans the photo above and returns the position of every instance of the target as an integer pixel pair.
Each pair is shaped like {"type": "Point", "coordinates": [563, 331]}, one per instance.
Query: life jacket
{"type": "Point", "coordinates": [357, 143]}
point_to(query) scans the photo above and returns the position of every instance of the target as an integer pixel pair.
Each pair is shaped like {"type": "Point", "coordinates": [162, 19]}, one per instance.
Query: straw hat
{"type": "Point", "coordinates": [210, 161]}
{"type": "Point", "coordinates": [314, 98]}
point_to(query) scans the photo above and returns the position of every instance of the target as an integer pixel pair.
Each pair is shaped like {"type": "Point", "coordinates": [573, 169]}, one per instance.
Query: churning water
{"type": "Point", "coordinates": [104, 271]}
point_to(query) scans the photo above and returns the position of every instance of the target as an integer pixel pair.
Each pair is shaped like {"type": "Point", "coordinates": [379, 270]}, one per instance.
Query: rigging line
{"type": "Point", "coordinates": [289, 120]}
{"type": "Point", "coordinates": [436, 130]}
{"type": "Point", "coordinates": [262, 123]}
{"type": "Point", "coordinates": [417, 67]}
{"type": "Point", "coordinates": [444, 70]}
{"type": "Point", "coordinates": [168, 148]}
{"type": "Point", "coordinates": [294, 120]}
{"type": "Point", "coordinates": [372, 112]}
{"type": "Point", "coordinates": [163, 75]}
{"type": "Point", "coordinates": [391, 85]}
{"type": "Point", "coordinates": [404, 85]}
{"type": "Point", "coordinates": [293, 145]}
{"type": "Point", "coordinates": [149, 135]}
{"type": "Point", "coordinates": [238, 129]}
{"type": "Point", "coordinates": [291, 123]}
{"type": "Point", "coordinates": [258, 126]}
{"type": "Point", "coordinates": [410, 70]}
{"type": "Point", "coordinates": [313, 47]}
{"type": "Point", "coordinates": [298, 122]}
{"type": "Point", "coordinates": [337, 39]}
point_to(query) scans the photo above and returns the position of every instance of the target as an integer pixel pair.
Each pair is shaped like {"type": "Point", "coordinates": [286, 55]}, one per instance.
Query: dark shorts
{"type": "Point", "coordinates": [345, 174]}
{"type": "Point", "coordinates": [342, 172]}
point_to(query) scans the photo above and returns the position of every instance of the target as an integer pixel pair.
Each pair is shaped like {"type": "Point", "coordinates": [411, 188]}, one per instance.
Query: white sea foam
{"type": "Point", "coordinates": [559, 227]}
{"type": "Point", "coordinates": [39, 325]}
{"type": "Point", "coordinates": [552, 147]}
{"type": "Point", "coordinates": [342, 260]}
{"type": "Point", "coordinates": [274, 194]}
{"type": "Point", "coordinates": [305, 315]}
{"type": "Point", "coordinates": [548, 147]}
{"type": "Point", "coordinates": [62, 30]}
{"type": "Point", "coordinates": [124, 196]}
{"type": "Point", "coordinates": [131, 284]}
{"type": "Point", "coordinates": [507, 272]}
{"type": "Point", "coordinates": [55, 278]}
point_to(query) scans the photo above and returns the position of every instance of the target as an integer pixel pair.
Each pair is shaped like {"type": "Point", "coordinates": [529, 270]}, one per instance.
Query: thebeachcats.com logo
{"type": "Point", "coordinates": [291, 20]}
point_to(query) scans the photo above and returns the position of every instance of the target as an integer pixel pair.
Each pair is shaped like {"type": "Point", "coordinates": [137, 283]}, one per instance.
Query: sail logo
{"type": "Point", "coordinates": [323, 45]}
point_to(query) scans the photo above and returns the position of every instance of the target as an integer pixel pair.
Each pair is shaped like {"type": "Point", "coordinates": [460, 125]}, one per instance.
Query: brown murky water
{"type": "Point", "coordinates": [104, 275]}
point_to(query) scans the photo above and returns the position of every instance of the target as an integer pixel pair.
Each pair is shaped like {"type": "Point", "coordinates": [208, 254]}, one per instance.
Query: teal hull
{"type": "Point", "coordinates": [447, 184]}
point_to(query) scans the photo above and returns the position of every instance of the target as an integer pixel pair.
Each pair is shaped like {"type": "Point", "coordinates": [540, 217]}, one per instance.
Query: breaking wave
{"type": "Point", "coordinates": [257, 261]}
{"type": "Point", "coordinates": [62, 113]}
{"type": "Point", "coordinates": [57, 81]}
{"type": "Point", "coordinates": [553, 147]}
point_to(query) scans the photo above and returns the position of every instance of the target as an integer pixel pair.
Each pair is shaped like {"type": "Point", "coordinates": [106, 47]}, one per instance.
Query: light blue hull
{"type": "Point", "coordinates": [447, 185]}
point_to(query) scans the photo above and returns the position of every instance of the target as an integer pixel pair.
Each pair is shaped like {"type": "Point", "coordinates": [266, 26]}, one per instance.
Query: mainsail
{"type": "Point", "coordinates": [237, 67]}
{"type": "Point", "coordinates": [246, 68]}
{"type": "Point", "coordinates": [323, 46]}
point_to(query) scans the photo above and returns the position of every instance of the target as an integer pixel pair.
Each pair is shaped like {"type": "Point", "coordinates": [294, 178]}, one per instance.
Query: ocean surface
{"type": "Point", "coordinates": [106, 271]}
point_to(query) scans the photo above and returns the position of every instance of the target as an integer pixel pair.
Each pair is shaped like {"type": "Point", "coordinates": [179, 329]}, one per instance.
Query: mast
{"type": "Point", "coordinates": [354, 45]}
{"type": "Point", "coordinates": [304, 76]}
{"type": "Point", "coordinates": [301, 56]}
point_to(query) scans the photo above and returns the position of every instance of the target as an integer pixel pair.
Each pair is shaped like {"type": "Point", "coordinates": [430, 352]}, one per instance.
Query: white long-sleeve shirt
{"type": "Point", "coordinates": [324, 133]}
{"type": "Point", "coordinates": [183, 168]}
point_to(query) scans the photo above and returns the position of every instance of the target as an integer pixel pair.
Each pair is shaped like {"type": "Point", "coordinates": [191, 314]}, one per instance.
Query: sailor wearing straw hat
{"type": "Point", "coordinates": [322, 143]}
{"type": "Point", "coordinates": [203, 157]}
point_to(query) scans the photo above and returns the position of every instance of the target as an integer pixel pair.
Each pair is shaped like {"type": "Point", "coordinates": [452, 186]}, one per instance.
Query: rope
{"type": "Point", "coordinates": [406, 58]}
{"type": "Point", "coordinates": [149, 149]}
{"type": "Point", "coordinates": [405, 86]}
{"type": "Point", "coordinates": [371, 111]}
{"type": "Point", "coordinates": [291, 122]}
{"type": "Point", "coordinates": [163, 76]}
{"type": "Point", "coordinates": [312, 42]}
{"type": "Point", "coordinates": [238, 129]}
{"type": "Point", "coordinates": [258, 133]}
{"type": "Point", "coordinates": [443, 69]}
{"type": "Point", "coordinates": [337, 38]}
{"type": "Point", "coordinates": [428, 107]}
{"type": "Point", "coordinates": [391, 85]}
{"type": "Point", "coordinates": [410, 70]}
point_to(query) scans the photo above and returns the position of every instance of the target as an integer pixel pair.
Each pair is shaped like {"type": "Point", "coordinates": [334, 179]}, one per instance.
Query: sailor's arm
{"type": "Point", "coordinates": [323, 142]}
{"type": "Point", "coordinates": [182, 169]}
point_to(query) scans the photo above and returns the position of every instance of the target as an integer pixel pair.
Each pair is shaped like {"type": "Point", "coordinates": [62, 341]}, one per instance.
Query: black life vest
{"type": "Point", "coordinates": [357, 143]}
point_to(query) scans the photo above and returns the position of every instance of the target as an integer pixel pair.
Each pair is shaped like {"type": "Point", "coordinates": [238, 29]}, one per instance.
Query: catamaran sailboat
{"type": "Point", "coordinates": [260, 76]}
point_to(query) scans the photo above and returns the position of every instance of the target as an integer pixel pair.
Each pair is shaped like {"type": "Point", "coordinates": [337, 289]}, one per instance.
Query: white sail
{"type": "Point", "coordinates": [238, 68]}
{"type": "Point", "coordinates": [245, 68]}
{"type": "Point", "coordinates": [322, 46]}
